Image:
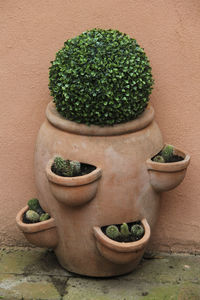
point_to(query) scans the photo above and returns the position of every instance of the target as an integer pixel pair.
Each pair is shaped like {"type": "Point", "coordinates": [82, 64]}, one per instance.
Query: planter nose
{"type": "Point", "coordinates": [166, 176]}
{"type": "Point", "coordinates": [119, 252]}
{"type": "Point", "coordinates": [73, 191]}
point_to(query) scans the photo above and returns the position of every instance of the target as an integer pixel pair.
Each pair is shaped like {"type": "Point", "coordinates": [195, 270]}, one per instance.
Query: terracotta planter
{"type": "Point", "coordinates": [119, 190]}
{"type": "Point", "coordinates": [41, 234]}
{"type": "Point", "coordinates": [122, 253]}
{"type": "Point", "coordinates": [166, 176]}
{"type": "Point", "coordinates": [73, 191]}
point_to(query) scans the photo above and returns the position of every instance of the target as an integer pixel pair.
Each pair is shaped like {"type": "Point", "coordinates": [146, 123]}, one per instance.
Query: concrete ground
{"type": "Point", "coordinates": [34, 274]}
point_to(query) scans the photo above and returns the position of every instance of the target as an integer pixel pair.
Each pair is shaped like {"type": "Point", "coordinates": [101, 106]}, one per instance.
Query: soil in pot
{"type": "Point", "coordinates": [125, 232]}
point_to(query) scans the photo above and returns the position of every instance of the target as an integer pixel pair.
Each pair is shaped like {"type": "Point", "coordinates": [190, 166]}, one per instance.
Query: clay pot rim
{"type": "Point", "coordinates": [81, 129]}
{"type": "Point", "coordinates": [170, 167]}
{"type": "Point", "coordinates": [121, 246]}
{"type": "Point", "coordinates": [72, 181]}
{"type": "Point", "coordinates": [35, 227]}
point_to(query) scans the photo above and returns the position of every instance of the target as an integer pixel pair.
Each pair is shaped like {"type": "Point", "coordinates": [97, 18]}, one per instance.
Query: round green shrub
{"type": "Point", "coordinates": [101, 77]}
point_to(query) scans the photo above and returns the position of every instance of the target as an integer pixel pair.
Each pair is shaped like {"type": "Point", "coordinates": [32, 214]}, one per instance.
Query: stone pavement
{"type": "Point", "coordinates": [34, 274]}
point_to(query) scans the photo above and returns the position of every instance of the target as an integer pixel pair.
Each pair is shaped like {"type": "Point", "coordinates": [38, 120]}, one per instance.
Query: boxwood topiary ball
{"type": "Point", "coordinates": [100, 77]}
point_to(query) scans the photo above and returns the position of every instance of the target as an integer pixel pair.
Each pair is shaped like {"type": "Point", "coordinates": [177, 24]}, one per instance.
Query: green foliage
{"type": "Point", "coordinates": [124, 230]}
{"type": "Point", "coordinates": [101, 77]}
{"type": "Point", "coordinates": [33, 204]}
{"type": "Point", "coordinates": [112, 232]}
{"type": "Point", "coordinates": [32, 216]}
{"type": "Point", "coordinates": [66, 168]}
{"type": "Point", "coordinates": [44, 217]}
{"type": "Point", "coordinates": [137, 231]}
{"type": "Point", "coordinates": [159, 159]}
{"type": "Point", "coordinates": [167, 152]}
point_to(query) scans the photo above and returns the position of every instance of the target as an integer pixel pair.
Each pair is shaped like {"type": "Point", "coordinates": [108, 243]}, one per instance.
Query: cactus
{"type": "Point", "coordinates": [62, 167]}
{"type": "Point", "coordinates": [167, 152]}
{"type": "Point", "coordinates": [76, 167]}
{"type": "Point", "coordinates": [112, 232]}
{"type": "Point", "coordinates": [159, 159]}
{"type": "Point", "coordinates": [124, 230]}
{"type": "Point", "coordinates": [44, 217]}
{"type": "Point", "coordinates": [137, 231]}
{"type": "Point", "coordinates": [33, 204]}
{"type": "Point", "coordinates": [32, 216]}
{"type": "Point", "coordinates": [66, 168]}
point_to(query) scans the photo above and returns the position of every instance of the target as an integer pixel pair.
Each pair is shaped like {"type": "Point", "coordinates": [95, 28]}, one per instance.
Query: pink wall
{"type": "Point", "coordinates": [32, 31]}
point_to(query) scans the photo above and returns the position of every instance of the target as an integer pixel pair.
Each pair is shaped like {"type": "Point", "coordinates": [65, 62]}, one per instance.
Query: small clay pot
{"type": "Point", "coordinates": [41, 234]}
{"type": "Point", "coordinates": [73, 191]}
{"type": "Point", "coordinates": [166, 176]}
{"type": "Point", "coordinates": [120, 252]}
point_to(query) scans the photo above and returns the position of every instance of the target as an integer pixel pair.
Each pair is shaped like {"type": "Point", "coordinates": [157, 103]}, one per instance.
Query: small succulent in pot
{"type": "Point", "coordinates": [167, 152]}
{"type": "Point", "coordinates": [32, 216]}
{"type": "Point", "coordinates": [44, 217]}
{"type": "Point", "coordinates": [124, 230]}
{"type": "Point", "coordinates": [112, 232]}
{"type": "Point", "coordinates": [66, 168]}
{"type": "Point", "coordinates": [159, 159]}
{"type": "Point", "coordinates": [137, 231]}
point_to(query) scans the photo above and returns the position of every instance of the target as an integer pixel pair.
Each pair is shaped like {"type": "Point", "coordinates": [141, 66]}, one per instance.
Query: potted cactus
{"type": "Point", "coordinates": [100, 116]}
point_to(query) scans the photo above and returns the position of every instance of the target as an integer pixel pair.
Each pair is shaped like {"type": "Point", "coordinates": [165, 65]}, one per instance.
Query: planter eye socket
{"type": "Point", "coordinates": [74, 191]}
{"type": "Point", "coordinates": [166, 176]}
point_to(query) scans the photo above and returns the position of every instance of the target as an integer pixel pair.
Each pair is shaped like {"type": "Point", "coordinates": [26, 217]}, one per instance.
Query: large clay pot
{"type": "Point", "coordinates": [119, 190]}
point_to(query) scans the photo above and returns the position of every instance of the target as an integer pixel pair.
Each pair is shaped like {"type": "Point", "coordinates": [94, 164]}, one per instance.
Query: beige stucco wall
{"type": "Point", "coordinates": [30, 34]}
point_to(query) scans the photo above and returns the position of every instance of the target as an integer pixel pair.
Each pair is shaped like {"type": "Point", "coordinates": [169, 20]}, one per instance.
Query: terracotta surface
{"type": "Point", "coordinates": [32, 31]}
{"type": "Point", "coordinates": [41, 234]}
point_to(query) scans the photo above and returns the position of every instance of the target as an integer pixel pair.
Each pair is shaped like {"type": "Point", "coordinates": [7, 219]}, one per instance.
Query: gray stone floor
{"type": "Point", "coordinates": [33, 273]}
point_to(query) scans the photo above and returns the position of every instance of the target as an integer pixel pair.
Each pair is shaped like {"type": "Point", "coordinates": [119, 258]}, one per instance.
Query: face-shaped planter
{"type": "Point", "coordinates": [124, 187]}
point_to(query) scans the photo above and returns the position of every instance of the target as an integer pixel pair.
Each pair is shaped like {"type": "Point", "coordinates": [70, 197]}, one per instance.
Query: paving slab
{"type": "Point", "coordinates": [34, 274]}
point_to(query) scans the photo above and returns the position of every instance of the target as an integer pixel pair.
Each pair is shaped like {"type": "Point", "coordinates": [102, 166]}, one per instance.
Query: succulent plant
{"type": "Point", "coordinates": [62, 167]}
{"type": "Point", "coordinates": [167, 152]}
{"type": "Point", "coordinates": [124, 230]}
{"type": "Point", "coordinates": [33, 204]}
{"type": "Point", "coordinates": [76, 167]}
{"type": "Point", "coordinates": [32, 216]}
{"type": "Point", "coordinates": [137, 231]}
{"type": "Point", "coordinates": [159, 159]}
{"type": "Point", "coordinates": [44, 217]}
{"type": "Point", "coordinates": [100, 77]}
{"type": "Point", "coordinates": [112, 232]}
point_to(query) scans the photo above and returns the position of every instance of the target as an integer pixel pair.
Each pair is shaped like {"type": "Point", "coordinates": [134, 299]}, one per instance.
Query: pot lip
{"type": "Point", "coordinates": [72, 181]}
{"type": "Point", "coordinates": [121, 246]}
{"type": "Point", "coordinates": [170, 167]}
{"type": "Point", "coordinates": [81, 129]}
{"type": "Point", "coordinates": [35, 227]}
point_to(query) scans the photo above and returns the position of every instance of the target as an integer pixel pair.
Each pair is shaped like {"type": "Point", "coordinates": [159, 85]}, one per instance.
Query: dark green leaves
{"type": "Point", "coordinates": [100, 77]}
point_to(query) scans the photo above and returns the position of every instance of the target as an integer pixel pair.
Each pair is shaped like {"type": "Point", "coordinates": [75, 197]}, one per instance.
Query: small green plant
{"type": "Point", "coordinates": [159, 159]}
{"type": "Point", "coordinates": [167, 152]}
{"type": "Point", "coordinates": [33, 204]}
{"type": "Point", "coordinates": [44, 217]}
{"type": "Point", "coordinates": [124, 230]}
{"type": "Point", "coordinates": [137, 231]}
{"type": "Point", "coordinates": [32, 216]}
{"type": "Point", "coordinates": [66, 168]}
{"type": "Point", "coordinates": [112, 232]}
{"type": "Point", "coordinates": [101, 77]}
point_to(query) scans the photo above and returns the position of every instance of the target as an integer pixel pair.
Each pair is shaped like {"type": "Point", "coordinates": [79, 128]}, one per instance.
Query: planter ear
{"type": "Point", "coordinates": [73, 191]}
{"type": "Point", "coordinates": [166, 176]}
{"type": "Point", "coordinates": [41, 234]}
